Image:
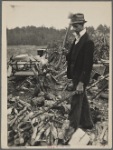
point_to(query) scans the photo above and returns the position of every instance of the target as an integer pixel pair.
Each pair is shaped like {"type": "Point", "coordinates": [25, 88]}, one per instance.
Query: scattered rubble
{"type": "Point", "coordinates": [39, 105]}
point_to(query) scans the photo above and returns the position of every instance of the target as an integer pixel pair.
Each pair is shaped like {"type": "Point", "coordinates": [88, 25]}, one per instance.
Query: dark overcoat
{"type": "Point", "coordinates": [80, 60]}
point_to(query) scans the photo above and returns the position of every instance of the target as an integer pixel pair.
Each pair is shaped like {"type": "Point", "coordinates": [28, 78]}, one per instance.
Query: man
{"type": "Point", "coordinates": [79, 66]}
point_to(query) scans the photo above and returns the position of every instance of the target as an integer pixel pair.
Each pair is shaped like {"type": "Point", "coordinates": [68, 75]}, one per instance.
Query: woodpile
{"type": "Point", "coordinates": [39, 106]}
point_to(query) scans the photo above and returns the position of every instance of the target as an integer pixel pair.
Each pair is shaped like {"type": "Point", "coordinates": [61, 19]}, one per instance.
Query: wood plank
{"type": "Point", "coordinates": [24, 73]}
{"type": "Point", "coordinates": [79, 138]}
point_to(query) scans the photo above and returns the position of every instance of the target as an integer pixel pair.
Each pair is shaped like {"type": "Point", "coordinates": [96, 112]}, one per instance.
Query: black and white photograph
{"type": "Point", "coordinates": [56, 74]}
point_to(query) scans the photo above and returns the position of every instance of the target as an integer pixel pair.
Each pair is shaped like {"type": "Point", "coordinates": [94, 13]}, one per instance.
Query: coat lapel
{"type": "Point", "coordinates": [79, 45]}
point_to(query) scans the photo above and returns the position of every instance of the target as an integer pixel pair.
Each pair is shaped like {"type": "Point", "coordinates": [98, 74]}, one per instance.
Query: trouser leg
{"type": "Point", "coordinates": [76, 108]}
{"type": "Point", "coordinates": [85, 119]}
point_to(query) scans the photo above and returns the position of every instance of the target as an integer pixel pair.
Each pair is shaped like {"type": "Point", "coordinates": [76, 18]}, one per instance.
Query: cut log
{"type": "Point", "coordinates": [99, 68]}
{"type": "Point", "coordinates": [105, 127]}
{"type": "Point", "coordinates": [25, 104]}
{"type": "Point", "coordinates": [24, 73]}
{"type": "Point", "coordinates": [61, 74]}
{"type": "Point", "coordinates": [79, 138]}
{"type": "Point", "coordinates": [104, 95]}
{"type": "Point", "coordinates": [9, 71]}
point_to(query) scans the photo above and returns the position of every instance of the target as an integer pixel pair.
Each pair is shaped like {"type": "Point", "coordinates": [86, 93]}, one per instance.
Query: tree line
{"type": "Point", "coordinates": [32, 35]}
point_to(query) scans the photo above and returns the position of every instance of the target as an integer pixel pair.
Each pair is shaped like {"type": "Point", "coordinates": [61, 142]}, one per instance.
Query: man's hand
{"type": "Point", "coordinates": [79, 88]}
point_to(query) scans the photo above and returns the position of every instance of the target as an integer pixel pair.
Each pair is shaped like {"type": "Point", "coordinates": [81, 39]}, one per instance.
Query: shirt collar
{"type": "Point", "coordinates": [80, 34]}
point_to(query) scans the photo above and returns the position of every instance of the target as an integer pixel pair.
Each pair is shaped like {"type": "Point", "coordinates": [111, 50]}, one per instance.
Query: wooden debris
{"type": "Point", "coordinates": [42, 119]}
{"type": "Point", "coordinates": [79, 138]}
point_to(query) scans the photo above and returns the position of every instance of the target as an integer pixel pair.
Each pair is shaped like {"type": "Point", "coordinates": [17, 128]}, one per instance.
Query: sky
{"type": "Point", "coordinates": [55, 13]}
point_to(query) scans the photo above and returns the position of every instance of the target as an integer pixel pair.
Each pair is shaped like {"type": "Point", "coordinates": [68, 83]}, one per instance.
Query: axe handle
{"type": "Point", "coordinates": [66, 35]}
{"type": "Point", "coordinates": [63, 46]}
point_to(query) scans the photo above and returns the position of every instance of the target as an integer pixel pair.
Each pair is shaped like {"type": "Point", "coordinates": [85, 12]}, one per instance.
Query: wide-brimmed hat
{"type": "Point", "coordinates": [77, 18]}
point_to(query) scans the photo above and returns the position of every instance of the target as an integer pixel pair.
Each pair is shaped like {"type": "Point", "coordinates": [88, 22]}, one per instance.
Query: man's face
{"type": "Point", "coordinates": [77, 27]}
